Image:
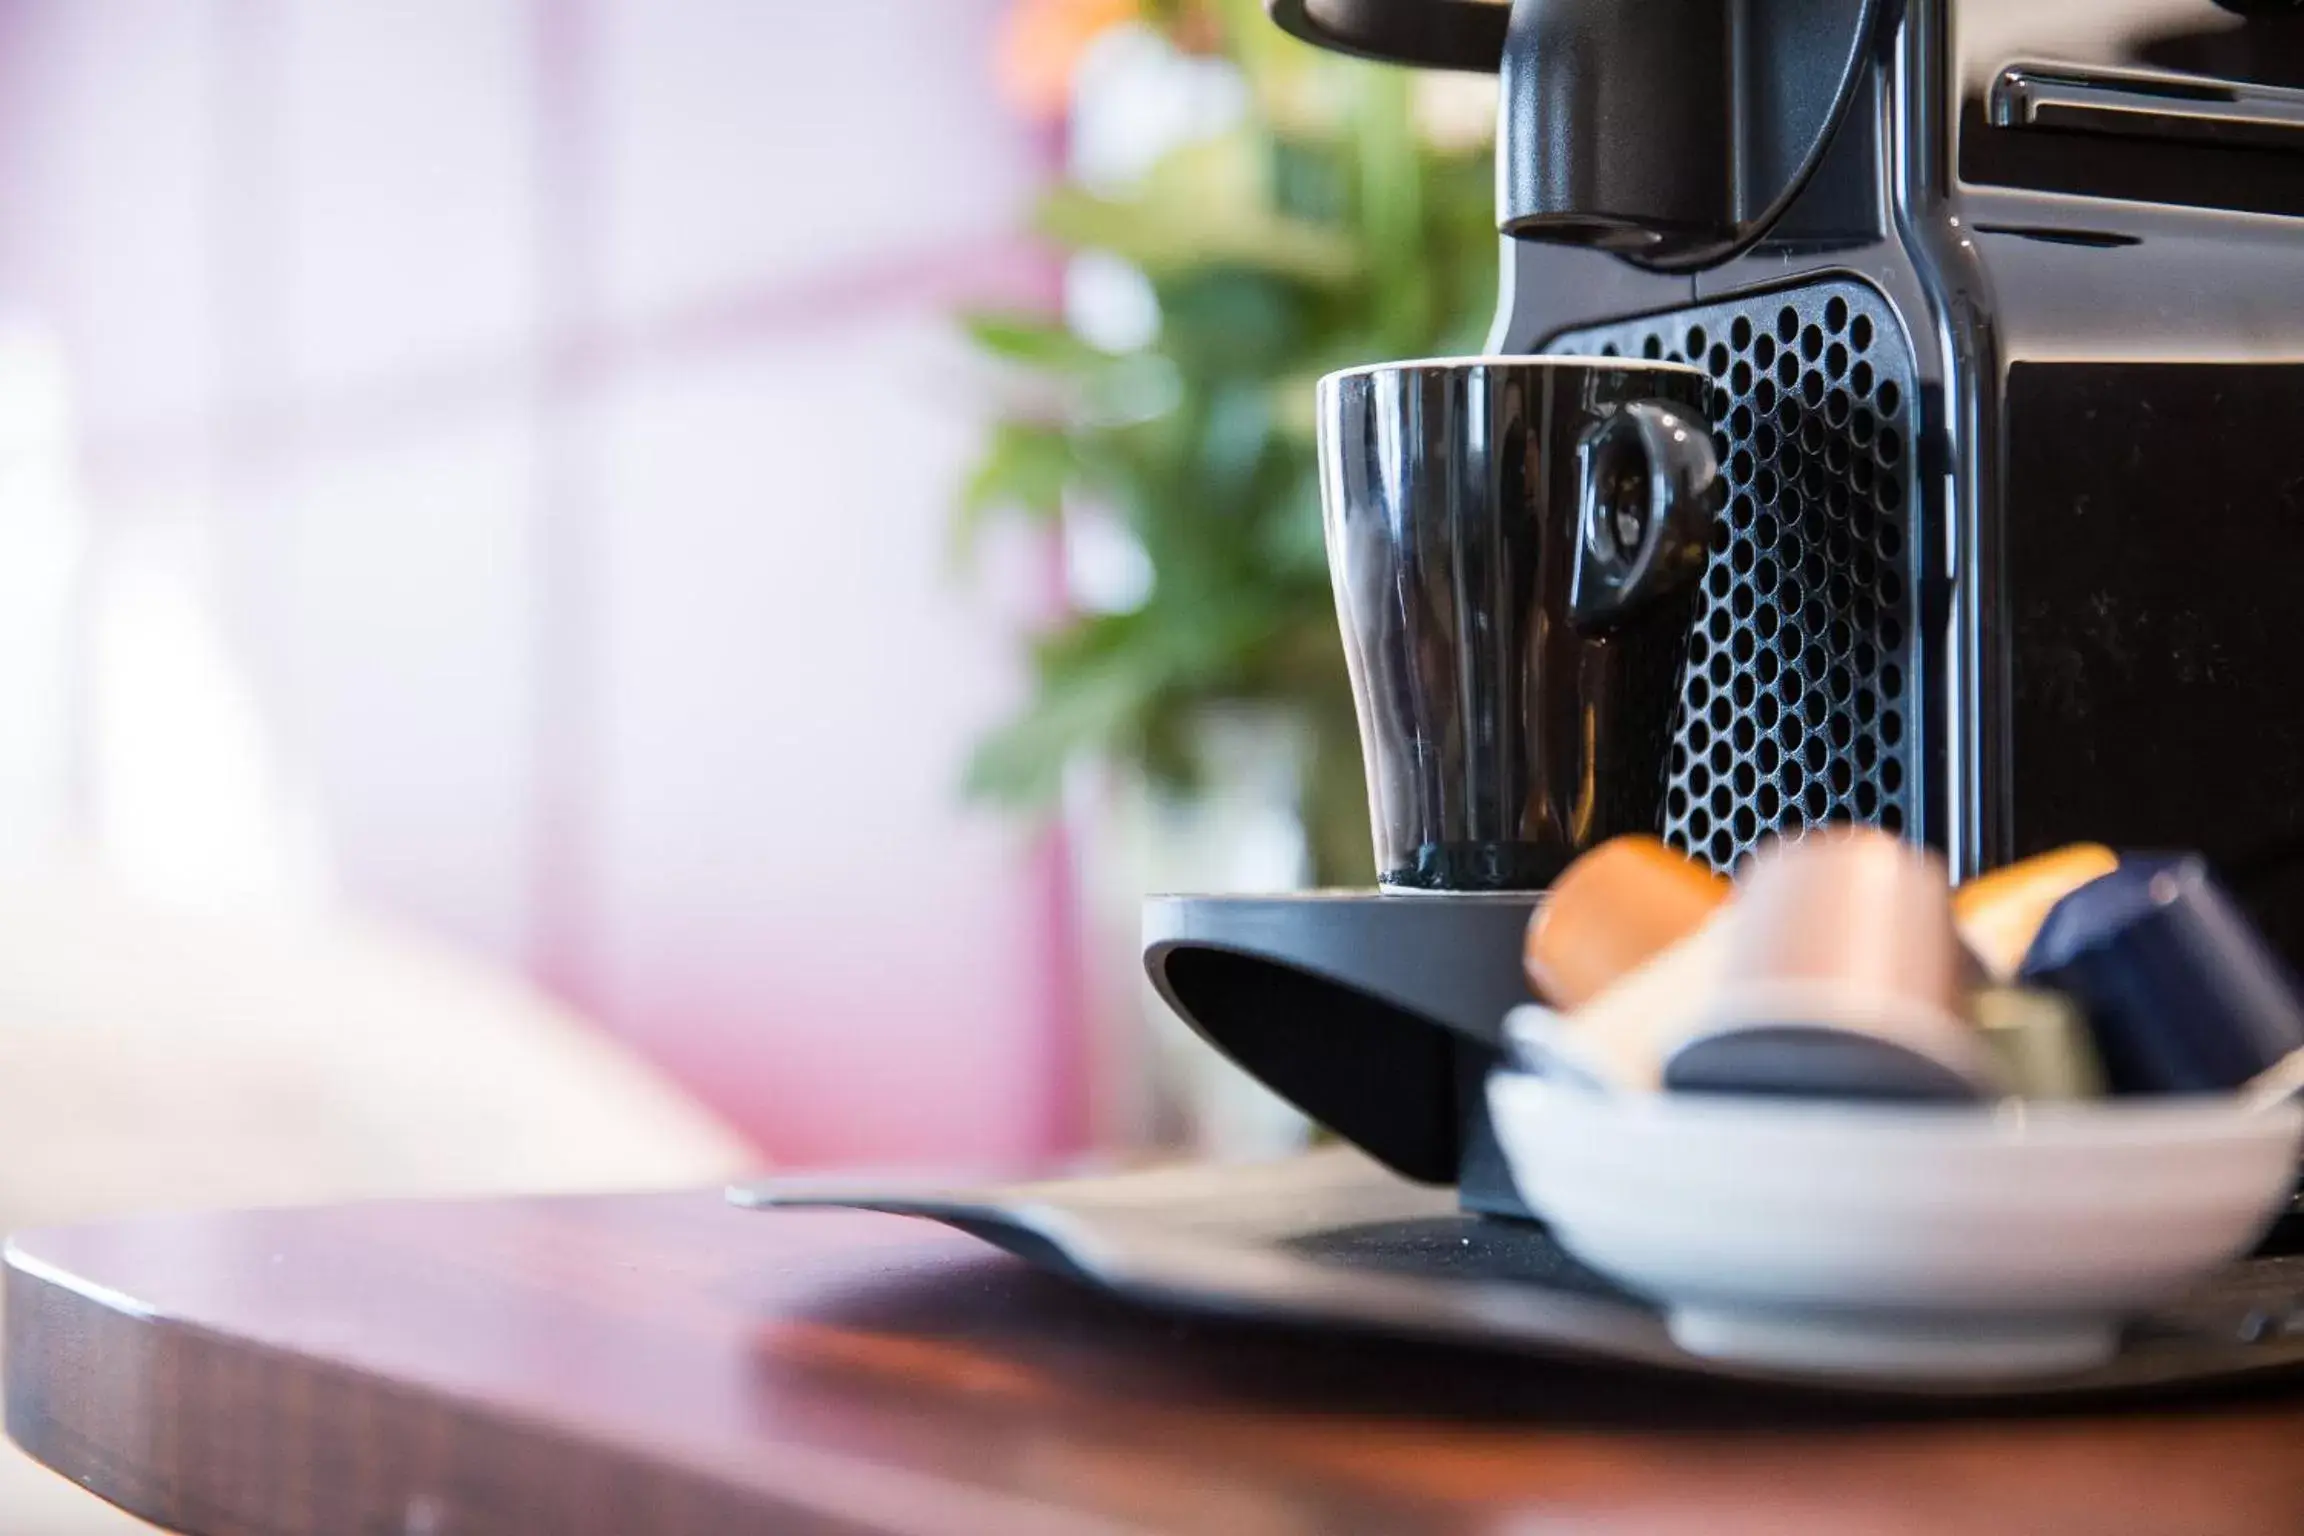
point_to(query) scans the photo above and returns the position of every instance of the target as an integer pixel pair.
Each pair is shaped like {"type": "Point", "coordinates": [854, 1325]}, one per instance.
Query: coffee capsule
{"type": "Point", "coordinates": [1999, 913]}
{"type": "Point", "coordinates": [2181, 992]}
{"type": "Point", "coordinates": [1610, 912]}
{"type": "Point", "coordinates": [2276, 1084]}
{"type": "Point", "coordinates": [1843, 978]}
{"type": "Point", "coordinates": [1619, 1040]}
{"type": "Point", "coordinates": [2041, 1042]}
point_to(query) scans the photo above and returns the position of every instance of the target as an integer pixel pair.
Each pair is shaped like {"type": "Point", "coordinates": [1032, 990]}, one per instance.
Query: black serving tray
{"type": "Point", "coordinates": [1332, 1241]}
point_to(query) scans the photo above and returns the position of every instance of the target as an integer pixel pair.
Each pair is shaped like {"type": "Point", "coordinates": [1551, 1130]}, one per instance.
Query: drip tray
{"type": "Point", "coordinates": [1331, 1240]}
{"type": "Point", "coordinates": [1377, 1015]}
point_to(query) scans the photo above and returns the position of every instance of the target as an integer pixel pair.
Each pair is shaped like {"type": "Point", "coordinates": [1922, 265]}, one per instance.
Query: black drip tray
{"type": "Point", "coordinates": [1458, 1250]}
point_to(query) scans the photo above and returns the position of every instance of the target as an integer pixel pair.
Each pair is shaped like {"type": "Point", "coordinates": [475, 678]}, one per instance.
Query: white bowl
{"type": "Point", "coordinates": [1950, 1242]}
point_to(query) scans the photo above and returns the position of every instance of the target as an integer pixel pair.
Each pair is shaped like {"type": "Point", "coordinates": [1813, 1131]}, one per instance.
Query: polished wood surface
{"type": "Point", "coordinates": [670, 1366]}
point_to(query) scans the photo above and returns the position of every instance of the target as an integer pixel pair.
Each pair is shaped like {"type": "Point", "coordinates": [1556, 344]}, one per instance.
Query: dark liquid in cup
{"type": "Point", "coordinates": [1476, 867]}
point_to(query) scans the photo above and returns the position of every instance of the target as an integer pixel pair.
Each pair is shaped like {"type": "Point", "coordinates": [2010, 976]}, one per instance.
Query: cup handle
{"type": "Point", "coordinates": [1648, 491]}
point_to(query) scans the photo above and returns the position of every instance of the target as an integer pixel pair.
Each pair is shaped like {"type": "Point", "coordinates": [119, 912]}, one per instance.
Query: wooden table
{"type": "Point", "coordinates": [665, 1365]}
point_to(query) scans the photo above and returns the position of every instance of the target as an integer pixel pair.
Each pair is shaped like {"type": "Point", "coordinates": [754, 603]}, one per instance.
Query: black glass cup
{"type": "Point", "coordinates": [1515, 544]}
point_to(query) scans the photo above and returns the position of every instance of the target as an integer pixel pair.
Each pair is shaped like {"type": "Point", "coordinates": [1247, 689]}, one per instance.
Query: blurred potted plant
{"type": "Point", "coordinates": [1346, 216]}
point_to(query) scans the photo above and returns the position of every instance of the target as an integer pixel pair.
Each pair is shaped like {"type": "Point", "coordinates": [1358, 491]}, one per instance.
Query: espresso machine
{"type": "Point", "coordinates": [2002, 307]}
{"type": "Point", "coordinates": [1995, 312]}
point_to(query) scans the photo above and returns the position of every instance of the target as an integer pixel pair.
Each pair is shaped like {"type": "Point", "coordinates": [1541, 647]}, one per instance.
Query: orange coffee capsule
{"type": "Point", "coordinates": [1610, 911]}
{"type": "Point", "coordinates": [1999, 913]}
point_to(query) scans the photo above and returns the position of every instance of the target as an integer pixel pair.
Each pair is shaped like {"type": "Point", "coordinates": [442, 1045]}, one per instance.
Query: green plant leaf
{"type": "Point", "coordinates": [1033, 341]}
{"type": "Point", "coordinates": [1021, 764]}
{"type": "Point", "coordinates": [1129, 389]}
{"type": "Point", "coordinates": [1223, 321]}
{"type": "Point", "coordinates": [1295, 407]}
{"type": "Point", "coordinates": [1207, 202]}
{"type": "Point", "coordinates": [1026, 468]}
{"type": "Point", "coordinates": [1094, 684]}
{"type": "Point", "coordinates": [1293, 544]}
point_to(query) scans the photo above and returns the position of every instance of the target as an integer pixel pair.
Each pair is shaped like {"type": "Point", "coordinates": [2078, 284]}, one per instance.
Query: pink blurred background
{"type": "Point", "coordinates": [487, 463]}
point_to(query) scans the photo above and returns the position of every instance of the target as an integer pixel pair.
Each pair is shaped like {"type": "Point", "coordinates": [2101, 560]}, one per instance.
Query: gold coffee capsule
{"type": "Point", "coordinates": [1999, 913]}
{"type": "Point", "coordinates": [2041, 1041]}
{"type": "Point", "coordinates": [1611, 911]}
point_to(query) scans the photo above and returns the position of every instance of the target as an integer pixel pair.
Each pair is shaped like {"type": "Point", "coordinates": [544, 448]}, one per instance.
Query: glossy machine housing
{"type": "Point", "coordinates": [2084, 226]}
{"type": "Point", "coordinates": [2003, 306]}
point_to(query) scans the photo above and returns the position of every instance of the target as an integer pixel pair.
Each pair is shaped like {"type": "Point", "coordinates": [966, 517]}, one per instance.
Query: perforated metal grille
{"type": "Point", "coordinates": [1796, 708]}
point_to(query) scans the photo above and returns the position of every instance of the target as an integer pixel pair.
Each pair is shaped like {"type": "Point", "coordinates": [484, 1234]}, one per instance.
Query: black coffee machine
{"type": "Point", "coordinates": [2003, 305]}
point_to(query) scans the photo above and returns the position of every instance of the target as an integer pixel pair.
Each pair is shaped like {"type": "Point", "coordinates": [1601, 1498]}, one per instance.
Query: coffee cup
{"type": "Point", "coordinates": [1515, 544]}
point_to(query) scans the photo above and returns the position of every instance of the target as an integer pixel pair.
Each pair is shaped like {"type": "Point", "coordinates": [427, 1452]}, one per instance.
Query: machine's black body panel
{"type": "Point", "coordinates": [2154, 589]}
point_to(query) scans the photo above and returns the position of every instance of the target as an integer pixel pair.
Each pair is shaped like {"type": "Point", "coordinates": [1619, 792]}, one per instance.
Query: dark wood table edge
{"type": "Point", "coordinates": [79, 1346]}
{"type": "Point", "coordinates": [127, 1374]}
{"type": "Point", "coordinates": [82, 1362]}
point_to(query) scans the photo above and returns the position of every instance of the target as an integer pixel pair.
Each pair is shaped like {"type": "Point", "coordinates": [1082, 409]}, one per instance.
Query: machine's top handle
{"type": "Point", "coordinates": [1673, 132]}
{"type": "Point", "coordinates": [1431, 34]}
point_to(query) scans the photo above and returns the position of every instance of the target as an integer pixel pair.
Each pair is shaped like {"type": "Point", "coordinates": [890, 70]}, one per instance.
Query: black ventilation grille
{"type": "Point", "coordinates": [1798, 703]}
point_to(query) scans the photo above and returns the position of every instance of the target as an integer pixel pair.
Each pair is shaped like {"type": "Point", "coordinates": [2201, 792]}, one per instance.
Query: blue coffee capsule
{"type": "Point", "coordinates": [2181, 992]}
